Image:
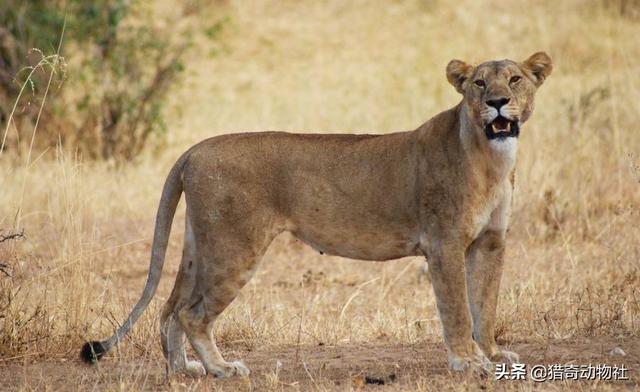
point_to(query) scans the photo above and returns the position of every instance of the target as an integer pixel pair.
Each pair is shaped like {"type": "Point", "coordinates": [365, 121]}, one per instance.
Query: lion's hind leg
{"type": "Point", "coordinates": [173, 337]}
{"type": "Point", "coordinates": [171, 332]}
{"type": "Point", "coordinates": [226, 257]}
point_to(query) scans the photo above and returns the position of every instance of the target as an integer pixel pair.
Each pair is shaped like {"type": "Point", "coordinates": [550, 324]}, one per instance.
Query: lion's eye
{"type": "Point", "coordinates": [515, 79]}
{"type": "Point", "coordinates": [479, 83]}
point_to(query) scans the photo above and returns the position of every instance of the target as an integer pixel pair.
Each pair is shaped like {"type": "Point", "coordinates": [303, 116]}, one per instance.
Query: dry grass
{"type": "Point", "coordinates": [572, 269]}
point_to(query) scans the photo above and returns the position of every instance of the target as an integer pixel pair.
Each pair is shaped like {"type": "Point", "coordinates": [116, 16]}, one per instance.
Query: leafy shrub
{"type": "Point", "coordinates": [121, 59]}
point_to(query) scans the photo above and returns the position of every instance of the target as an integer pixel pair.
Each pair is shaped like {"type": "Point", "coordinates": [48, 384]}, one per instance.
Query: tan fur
{"type": "Point", "coordinates": [442, 191]}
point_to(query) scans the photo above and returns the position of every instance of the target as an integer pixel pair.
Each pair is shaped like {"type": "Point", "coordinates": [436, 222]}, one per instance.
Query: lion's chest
{"type": "Point", "coordinates": [503, 153]}
{"type": "Point", "coordinates": [483, 217]}
{"type": "Point", "coordinates": [493, 212]}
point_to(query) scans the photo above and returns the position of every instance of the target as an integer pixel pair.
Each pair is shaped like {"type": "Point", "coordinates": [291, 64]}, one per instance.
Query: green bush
{"type": "Point", "coordinates": [106, 100]}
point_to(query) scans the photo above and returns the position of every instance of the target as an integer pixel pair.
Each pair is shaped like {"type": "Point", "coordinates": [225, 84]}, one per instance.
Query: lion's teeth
{"type": "Point", "coordinates": [508, 127]}
{"type": "Point", "coordinates": [495, 129]}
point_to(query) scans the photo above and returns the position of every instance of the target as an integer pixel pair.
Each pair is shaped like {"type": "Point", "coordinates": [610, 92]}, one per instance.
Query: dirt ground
{"type": "Point", "coordinates": [369, 367]}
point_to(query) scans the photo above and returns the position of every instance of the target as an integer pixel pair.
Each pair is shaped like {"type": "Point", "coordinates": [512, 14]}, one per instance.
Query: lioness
{"type": "Point", "coordinates": [442, 191]}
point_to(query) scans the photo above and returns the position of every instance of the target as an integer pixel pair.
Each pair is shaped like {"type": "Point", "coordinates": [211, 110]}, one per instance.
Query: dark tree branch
{"type": "Point", "coordinates": [12, 236]}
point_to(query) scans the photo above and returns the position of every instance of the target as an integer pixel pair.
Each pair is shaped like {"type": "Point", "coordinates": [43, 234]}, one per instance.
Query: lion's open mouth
{"type": "Point", "coordinates": [501, 128]}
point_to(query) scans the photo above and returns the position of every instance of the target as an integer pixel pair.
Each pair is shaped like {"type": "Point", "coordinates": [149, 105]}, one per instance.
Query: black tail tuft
{"type": "Point", "coordinates": [92, 352]}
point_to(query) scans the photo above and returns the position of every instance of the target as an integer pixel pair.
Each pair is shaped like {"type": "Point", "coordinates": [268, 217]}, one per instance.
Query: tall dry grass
{"type": "Point", "coordinates": [358, 66]}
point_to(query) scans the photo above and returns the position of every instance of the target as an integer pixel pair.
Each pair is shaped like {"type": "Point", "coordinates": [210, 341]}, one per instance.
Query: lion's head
{"type": "Point", "coordinates": [499, 95]}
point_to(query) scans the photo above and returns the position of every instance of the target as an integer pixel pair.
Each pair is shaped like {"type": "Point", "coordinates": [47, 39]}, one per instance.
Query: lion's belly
{"type": "Point", "coordinates": [361, 244]}
{"type": "Point", "coordinates": [358, 220]}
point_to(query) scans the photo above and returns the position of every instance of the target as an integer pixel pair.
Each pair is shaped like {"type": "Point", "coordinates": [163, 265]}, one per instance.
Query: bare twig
{"type": "Point", "coordinates": [3, 269]}
{"type": "Point", "coordinates": [12, 236]}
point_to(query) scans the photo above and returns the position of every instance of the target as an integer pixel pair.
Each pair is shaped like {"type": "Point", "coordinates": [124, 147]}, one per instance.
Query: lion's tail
{"type": "Point", "coordinates": [93, 351]}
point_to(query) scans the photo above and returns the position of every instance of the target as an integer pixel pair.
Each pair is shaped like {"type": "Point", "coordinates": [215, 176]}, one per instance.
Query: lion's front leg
{"type": "Point", "coordinates": [448, 280]}
{"type": "Point", "coordinates": [484, 271]}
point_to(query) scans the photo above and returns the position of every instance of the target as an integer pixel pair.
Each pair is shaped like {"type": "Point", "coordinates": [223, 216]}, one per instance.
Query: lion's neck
{"type": "Point", "coordinates": [495, 158]}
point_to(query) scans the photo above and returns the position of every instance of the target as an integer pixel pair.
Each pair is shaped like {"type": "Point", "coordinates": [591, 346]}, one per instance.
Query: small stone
{"type": "Point", "coordinates": [617, 352]}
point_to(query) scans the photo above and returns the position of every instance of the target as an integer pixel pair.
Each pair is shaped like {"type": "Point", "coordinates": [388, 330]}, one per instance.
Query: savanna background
{"type": "Point", "coordinates": [94, 117]}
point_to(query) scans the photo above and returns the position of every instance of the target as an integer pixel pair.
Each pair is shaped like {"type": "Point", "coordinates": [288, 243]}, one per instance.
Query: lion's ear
{"type": "Point", "coordinates": [539, 65]}
{"type": "Point", "coordinates": [457, 73]}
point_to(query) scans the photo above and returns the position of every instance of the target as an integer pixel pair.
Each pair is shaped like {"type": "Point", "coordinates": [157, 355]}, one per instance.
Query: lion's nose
{"type": "Point", "coordinates": [498, 102]}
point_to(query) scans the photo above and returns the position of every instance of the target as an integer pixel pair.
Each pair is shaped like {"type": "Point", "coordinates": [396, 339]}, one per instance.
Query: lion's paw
{"type": "Point", "coordinates": [240, 369]}
{"type": "Point", "coordinates": [477, 362]}
{"type": "Point", "coordinates": [230, 369]}
{"type": "Point", "coordinates": [504, 356]}
{"type": "Point", "coordinates": [195, 369]}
